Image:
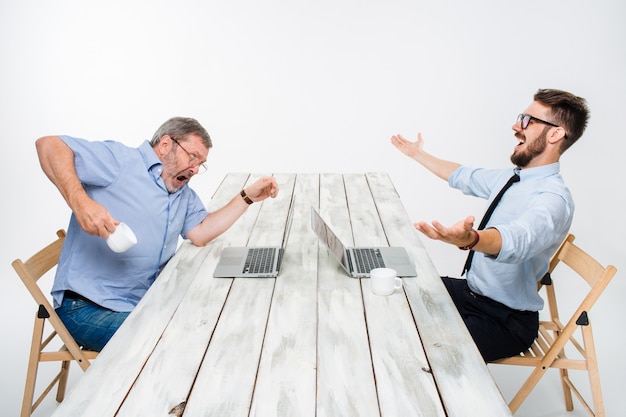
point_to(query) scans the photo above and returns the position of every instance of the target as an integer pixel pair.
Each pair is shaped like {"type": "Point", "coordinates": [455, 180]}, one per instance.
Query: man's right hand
{"type": "Point", "coordinates": [410, 149]}
{"type": "Point", "coordinates": [415, 150]}
{"type": "Point", "coordinates": [94, 218]}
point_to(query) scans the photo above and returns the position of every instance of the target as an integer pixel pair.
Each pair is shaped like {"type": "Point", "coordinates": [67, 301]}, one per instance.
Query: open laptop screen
{"type": "Point", "coordinates": [329, 238]}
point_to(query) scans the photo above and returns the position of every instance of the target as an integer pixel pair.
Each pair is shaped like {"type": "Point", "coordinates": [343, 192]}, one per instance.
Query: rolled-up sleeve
{"type": "Point", "coordinates": [546, 216]}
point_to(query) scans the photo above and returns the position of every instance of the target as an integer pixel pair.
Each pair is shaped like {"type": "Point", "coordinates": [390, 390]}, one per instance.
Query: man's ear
{"type": "Point", "coordinates": [164, 146]}
{"type": "Point", "coordinates": [556, 135]}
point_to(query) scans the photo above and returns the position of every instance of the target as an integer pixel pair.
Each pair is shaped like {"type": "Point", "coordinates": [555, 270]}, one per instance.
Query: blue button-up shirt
{"type": "Point", "coordinates": [533, 218]}
{"type": "Point", "coordinates": [127, 181]}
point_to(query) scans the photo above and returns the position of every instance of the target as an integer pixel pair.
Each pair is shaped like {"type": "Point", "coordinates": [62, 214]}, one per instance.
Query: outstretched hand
{"type": "Point", "coordinates": [410, 149]}
{"type": "Point", "coordinates": [458, 234]}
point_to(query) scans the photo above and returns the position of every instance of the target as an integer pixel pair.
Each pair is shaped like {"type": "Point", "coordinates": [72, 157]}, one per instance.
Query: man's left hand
{"type": "Point", "coordinates": [262, 189]}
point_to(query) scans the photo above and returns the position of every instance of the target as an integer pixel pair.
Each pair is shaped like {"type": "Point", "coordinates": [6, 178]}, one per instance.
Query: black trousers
{"type": "Point", "coordinates": [497, 330]}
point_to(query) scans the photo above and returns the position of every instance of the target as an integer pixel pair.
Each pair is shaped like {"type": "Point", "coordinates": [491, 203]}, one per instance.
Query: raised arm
{"type": "Point", "coordinates": [57, 162]}
{"type": "Point", "coordinates": [217, 222]}
{"type": "Point", "coordinates": [415, 150]}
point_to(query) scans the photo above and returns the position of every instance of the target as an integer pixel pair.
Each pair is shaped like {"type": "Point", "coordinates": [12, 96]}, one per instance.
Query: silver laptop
{"type": "Point", "coordinates": [254, 262]}
{"type": "Point", "coordinates": [358, 262]}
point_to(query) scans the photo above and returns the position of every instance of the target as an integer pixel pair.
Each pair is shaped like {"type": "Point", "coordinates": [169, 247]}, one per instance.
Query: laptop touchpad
{"type": "Point", "coordinates": [231, 260]}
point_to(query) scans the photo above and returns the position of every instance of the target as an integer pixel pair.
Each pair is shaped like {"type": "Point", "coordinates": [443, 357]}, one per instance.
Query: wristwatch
{"type": "Point", "coordinates": [245, 197]}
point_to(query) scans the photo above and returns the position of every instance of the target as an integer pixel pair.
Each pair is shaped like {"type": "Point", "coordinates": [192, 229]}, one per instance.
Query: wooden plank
{"type": "Point", "coordinates": [121, 360]}
{"type": "Point", "coordinates": [395, 221]}
{"type": "Point", "coordinates": [366, 227]}
{"type": "Point", "coordinates": [225, 381]}
{"type": "Point", "coordinates": [463, 380]}
{"type": "Point", "coordinates": [346, 385]}
{"type": "Point", "coordinates": [183, 344]}
{"type": "Point", "coordinates": [403, 381]}
{"type": "Point", "coordinates": [286, 382]}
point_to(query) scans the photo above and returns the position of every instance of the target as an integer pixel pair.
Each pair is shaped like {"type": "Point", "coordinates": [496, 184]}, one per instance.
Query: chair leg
{"type": "Point", "coordinates": [564, 375]}
{"type": "Point", "coordinates": [567, 391]}
{"type": "Point", "coordinates": [33, 365]}
{"type": "Point", "coordinates": [526, 388]}
{"type": "Point", "coordinates": [594, 374]}
{"type": "Point", "coordinates": [64, 374]}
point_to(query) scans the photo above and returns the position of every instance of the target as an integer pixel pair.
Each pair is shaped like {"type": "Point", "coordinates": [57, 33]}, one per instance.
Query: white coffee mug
{"type": "Point", "coordinates": [122, 238]}
{"type": "Point", "coordinates": [384, 281]}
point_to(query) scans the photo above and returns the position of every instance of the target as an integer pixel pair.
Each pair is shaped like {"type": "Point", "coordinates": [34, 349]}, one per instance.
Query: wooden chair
{"type": "Point", "coordinates": [549, 349]}
{"type": "Point", "coordinates": [30, 272]}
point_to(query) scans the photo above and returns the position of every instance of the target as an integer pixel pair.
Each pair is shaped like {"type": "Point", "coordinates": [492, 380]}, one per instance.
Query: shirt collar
{"type": "Point", "coordinates": [538, 172]}
{"type": "Point", "coordinates": [149, 156]}
{"type": "Point", "coordinates": [152, 161]}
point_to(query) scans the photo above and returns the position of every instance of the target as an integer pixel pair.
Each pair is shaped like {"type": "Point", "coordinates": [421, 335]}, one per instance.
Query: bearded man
{"type": "Point", "coordinates": [531, 214]}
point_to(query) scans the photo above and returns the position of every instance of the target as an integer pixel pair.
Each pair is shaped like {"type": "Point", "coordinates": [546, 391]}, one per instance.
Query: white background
{"type": "Point", "coordinates": [316, 86]}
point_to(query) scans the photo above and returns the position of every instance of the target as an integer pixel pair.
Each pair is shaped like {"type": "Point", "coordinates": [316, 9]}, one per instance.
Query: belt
{"type": "Point", "coordinates": [501, 306]}
{"type": "Point", "coordinates": [71, 295]}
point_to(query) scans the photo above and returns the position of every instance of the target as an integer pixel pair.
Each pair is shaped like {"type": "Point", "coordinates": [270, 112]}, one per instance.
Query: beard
{"type": "Point", "coordinates": [171, 188]}
{"type": "Point", "coordinates": [175, 182]}
{"type": "Point", "coordinates": [535, 148]}
{"type": "Point", "coordinates": [172, 179]}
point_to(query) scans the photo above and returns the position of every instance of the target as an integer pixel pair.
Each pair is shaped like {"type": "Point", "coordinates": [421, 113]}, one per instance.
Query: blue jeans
{"type": "Point", "coordinates": [90, 324]}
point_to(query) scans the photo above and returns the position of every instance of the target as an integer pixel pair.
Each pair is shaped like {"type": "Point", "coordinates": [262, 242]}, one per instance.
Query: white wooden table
{"type": "Point", "coordinates": [312, 342]}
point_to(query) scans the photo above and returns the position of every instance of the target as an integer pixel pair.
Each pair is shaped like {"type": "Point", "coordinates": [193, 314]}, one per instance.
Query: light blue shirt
{"type": "Point", "coordinates": [533, 218]}
{"type": "Point", "coordinates": [127, 181]}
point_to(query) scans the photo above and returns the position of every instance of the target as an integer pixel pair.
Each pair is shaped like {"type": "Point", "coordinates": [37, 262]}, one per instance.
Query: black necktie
{"type": "Point", "coordinates": [488, 213]}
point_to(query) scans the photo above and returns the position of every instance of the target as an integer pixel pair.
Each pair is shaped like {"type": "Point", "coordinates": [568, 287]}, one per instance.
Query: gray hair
{"type": "Point", "coordinates": [179, 128]}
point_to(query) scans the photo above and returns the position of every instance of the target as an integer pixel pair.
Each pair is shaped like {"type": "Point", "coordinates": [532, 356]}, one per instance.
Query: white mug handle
{"type": "Point", "coordinates": [398, 284]}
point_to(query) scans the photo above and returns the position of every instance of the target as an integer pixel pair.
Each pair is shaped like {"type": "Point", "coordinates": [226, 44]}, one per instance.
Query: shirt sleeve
{"type": "Point", "coordinates": [478, 182]}
{"type": "Point", "coordinates": [97, 163]}
{"type": "Point", "coordinates": [545, 216]}
{"type": "Point", "coordinates": [196, 212]}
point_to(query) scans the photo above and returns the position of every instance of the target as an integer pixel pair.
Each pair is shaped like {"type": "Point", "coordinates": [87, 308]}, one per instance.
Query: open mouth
{"type": "Point", "coordinates": [182, 178]}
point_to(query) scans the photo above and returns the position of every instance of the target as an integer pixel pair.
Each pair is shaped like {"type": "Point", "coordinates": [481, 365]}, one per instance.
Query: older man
{"type": "Point", "coordinates": [105, 183]}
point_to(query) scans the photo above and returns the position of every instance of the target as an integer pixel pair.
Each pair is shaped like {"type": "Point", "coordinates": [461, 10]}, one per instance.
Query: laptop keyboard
{"type": "Point", "coordinates": [259, 260]}
{"type": "Point", "coordinates": [368, 259]}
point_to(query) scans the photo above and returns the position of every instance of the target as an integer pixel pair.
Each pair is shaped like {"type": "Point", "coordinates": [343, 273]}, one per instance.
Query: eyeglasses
{"type": "Point", "coordinates": [193, 159]}
{"type": "Point", "coordinates": [526, 118]}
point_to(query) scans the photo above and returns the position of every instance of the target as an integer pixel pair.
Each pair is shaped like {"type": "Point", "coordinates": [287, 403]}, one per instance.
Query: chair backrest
{"type": "Point", "coordinates": [548, 349]}
{"type": "Point", "coordinates": [30, 272]}
{"type": "Point", "coordinates": [594, 274]}
{"type": "Point", "coordinates": [37, 265]}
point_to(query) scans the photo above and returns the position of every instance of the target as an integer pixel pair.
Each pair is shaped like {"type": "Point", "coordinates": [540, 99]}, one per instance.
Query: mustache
{"type": "Point", "coordinates": [185, 174]}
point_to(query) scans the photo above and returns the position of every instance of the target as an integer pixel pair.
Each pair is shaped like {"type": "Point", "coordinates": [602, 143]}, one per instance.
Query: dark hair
{"type": "Point", "coordinates": [568, 111]}
{"type": "Point", "coordinates": [179, 128]}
